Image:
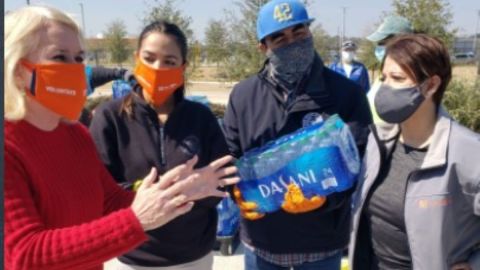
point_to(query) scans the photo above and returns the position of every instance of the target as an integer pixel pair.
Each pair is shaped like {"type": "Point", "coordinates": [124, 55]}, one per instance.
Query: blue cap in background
{"type": "Point", "coordinates": [349, 45]}
{"type": "Point", "coordinates": [277, 15]}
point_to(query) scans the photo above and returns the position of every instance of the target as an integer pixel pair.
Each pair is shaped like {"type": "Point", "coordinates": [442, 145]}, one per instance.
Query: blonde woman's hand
{"type": "Point", "coordinates": [157, 203]}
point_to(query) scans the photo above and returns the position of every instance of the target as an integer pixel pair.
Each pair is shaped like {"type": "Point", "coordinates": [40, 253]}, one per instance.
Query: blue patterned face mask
{"type": "Point", "coordinates": [290, 63]}
{"type": "Point", "coordinates": [380, 52]}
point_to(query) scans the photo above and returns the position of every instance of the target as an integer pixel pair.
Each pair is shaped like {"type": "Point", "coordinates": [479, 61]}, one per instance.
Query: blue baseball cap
{"type": "Point", "coordinates": [349, 45]}
{"type": "Point", "coordinates": [392, 25]}
{"type": "Point", "coordinates": [277, 15]}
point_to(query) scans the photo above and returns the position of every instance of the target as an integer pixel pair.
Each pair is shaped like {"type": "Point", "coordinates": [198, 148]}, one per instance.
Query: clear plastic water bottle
{"type": "Point", "coordinates": [349, 151]}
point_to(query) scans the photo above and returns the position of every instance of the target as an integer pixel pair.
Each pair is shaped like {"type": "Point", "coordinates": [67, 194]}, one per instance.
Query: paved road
{"type": "Point", "coordinates": [216, 92]}
{"type": "Point", "coordinates": [234, 262]}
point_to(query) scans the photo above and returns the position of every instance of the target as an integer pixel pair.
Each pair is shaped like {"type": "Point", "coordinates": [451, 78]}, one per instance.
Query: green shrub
{"type": "Point", "coordinates": [463, 103]}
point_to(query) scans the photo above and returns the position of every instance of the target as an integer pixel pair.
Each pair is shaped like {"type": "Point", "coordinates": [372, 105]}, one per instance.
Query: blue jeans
{"type": "Point", "coordinates": [253, 262]}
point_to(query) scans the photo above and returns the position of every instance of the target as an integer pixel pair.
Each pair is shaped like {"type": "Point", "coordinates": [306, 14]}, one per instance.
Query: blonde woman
{"type": "Point", "coordinates": [63, 210]}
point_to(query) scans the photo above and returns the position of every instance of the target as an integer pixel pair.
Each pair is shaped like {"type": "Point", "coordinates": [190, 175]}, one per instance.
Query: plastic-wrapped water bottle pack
{"type": "Point", "coordinates": [120, 88]}
{"type": "Point", "coordinates": [228, 217]}
{"type": "Point", "coordinates": [319, 160]}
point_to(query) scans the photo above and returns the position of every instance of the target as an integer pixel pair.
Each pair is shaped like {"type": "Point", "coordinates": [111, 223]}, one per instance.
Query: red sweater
{"type": "Point", "coordinates": [63, 210]}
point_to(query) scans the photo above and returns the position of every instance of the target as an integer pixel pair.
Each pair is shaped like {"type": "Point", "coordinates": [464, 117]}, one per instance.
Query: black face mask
{"type": "Point", "coordinates": [397, 105]}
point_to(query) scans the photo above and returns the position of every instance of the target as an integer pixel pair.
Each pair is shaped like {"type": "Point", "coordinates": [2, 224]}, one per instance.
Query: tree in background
{"type": "Point", "coordinates": [366, 55]}
{"type": "Point", "coordinates": [366, 52]}
{"type": "Point", "coordinates": [216, 42]}
{"type": "Point", "coordinates": [166, 10]}
{"type": "Point", "coordinates": [245, 58]}
{"type": "Point", "coordinates": [432, 17]}
{"type": "Point", "coordinates": [115, 42]}
{"type": "Point", "coordinates": [324, 44]}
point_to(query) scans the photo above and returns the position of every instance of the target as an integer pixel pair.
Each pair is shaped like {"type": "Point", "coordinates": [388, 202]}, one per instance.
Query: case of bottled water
{"type": "Point", "coordinates": [320, 159]}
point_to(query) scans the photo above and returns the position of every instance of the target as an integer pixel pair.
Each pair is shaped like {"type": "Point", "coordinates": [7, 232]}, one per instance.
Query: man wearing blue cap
{"type": "Point", "coordinates": [351, 68]}
{"type": "Point", "coordinates": [291, 91]}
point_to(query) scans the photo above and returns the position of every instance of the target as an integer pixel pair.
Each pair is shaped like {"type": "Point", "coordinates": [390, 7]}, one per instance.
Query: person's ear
{"type": "Point", "coordinates": [18, 72]}
{"type": "Point", "coordinates": [262, 47]}
{"type": "Point", "coordinates": [21, 76]}
{"type": "Point", "coordinates": [432, 86]}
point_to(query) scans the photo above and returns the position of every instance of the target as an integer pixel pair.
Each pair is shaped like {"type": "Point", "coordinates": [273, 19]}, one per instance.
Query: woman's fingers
{"type": "Point", "coordinates": [218, 193]}
{"type": "Point", "coordinates": [192, 162]}
{"type": "Point", "coordinates": [171, 176]}
{"type": "Point", "coordinates": [221, 162]}
{"type": "Point", "coordinates": [226, 171]}
{"type": "Point", "coordinates": [176, 201]}
{"type": "Point", "coordinates": [149, 179]}
{"type": "Point", "coordinates": [188, 168]}
{"type": "Point", "coordinates": [183, 209]}
{"type": "Point", "coordinates": [180, 187]}
{"type": "Point", "coordinates": [228, 181]}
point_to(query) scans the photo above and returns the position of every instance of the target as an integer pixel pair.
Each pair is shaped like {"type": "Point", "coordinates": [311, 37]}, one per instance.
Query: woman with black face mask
{"type": "Point", "coordinates": [417, 204]}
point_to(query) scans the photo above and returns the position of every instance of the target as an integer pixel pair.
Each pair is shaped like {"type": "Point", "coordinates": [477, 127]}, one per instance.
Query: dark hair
{"type": "Point", "coordinates": [167, 28]}
{"type": "Point", "coordinates": [422, 57]}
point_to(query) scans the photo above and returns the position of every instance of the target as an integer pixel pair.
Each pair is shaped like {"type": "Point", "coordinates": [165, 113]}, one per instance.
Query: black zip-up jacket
{"type": "Point", "coordinates": [130, 146]}
{"type": "Point", "coordinates": [258, 113]}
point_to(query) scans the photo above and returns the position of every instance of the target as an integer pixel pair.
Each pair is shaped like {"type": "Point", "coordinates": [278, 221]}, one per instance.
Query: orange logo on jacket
{"type": "Point", "coordinates": [433, 203]}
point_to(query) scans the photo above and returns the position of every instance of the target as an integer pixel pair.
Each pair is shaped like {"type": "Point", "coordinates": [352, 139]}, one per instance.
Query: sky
{"type": "Point", "coordinates": [360, 15]}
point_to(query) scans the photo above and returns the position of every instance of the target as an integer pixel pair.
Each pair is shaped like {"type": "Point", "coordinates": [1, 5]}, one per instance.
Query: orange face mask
{"type": "Point", "coordinates": [161, 83]}
{"type": "Point", "coordinates": [62, 88]}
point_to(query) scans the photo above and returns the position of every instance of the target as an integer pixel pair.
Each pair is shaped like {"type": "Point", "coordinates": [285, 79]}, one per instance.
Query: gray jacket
{"type": "Point", "coordinates": [442, 202]}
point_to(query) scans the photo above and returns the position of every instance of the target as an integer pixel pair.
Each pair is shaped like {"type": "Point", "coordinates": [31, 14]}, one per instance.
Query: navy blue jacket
{"type": "Point", "coordinates": [257, 113]}
{"type": "Point", "coordinates": [359, 73]}
{"type": "Point", "coordinates": [131, 145]}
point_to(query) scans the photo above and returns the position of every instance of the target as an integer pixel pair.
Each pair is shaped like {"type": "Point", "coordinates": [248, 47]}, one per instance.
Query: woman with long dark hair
{"type": "Point", "coordinates": [156, 126]}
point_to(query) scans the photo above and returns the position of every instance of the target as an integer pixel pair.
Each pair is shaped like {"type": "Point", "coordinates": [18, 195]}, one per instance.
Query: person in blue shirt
{"type": "Point", "coordinates": [350, 68]}
{"type": "Point", "coordinates": [97, 76]}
